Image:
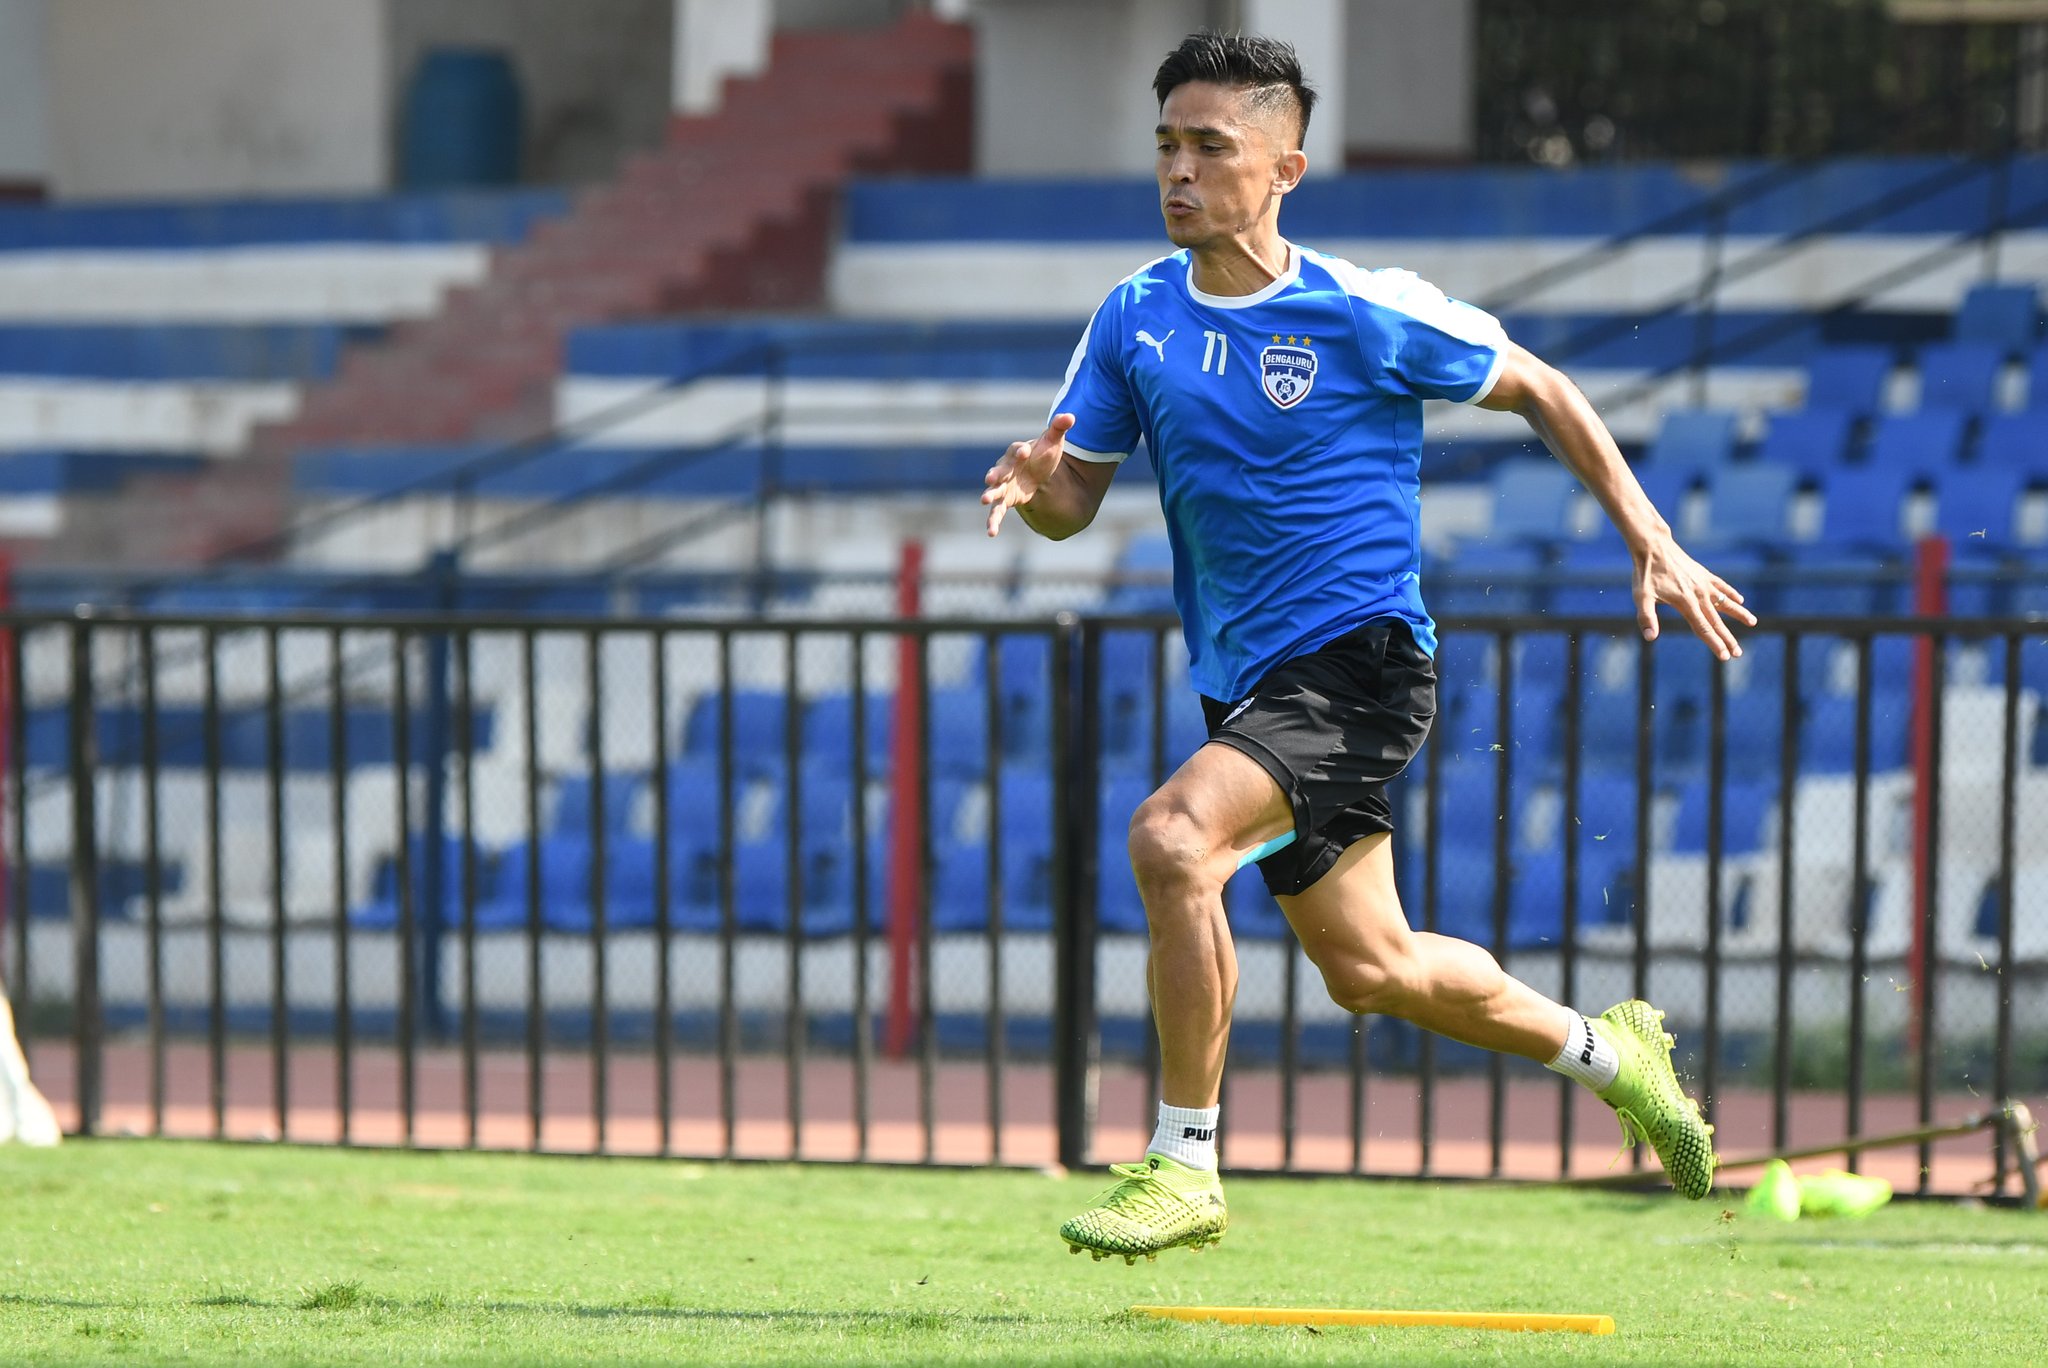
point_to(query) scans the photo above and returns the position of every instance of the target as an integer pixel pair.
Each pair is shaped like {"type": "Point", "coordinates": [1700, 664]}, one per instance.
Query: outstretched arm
{"type": "Point", "coordinates": [1056, 497]}
{"type": "Point", "coordinates": [1664, 573]}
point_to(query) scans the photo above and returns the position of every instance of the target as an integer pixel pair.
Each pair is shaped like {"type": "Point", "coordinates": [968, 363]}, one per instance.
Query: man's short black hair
{"type": "Point", "coordinates": [1266, 67]}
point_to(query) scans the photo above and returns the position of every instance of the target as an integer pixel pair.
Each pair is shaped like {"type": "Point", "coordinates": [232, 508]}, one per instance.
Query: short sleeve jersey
{"type": "Point", "coordinates": [1286, 430]}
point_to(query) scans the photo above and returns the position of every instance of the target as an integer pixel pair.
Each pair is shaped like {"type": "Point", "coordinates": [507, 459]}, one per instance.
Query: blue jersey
{"type": "Point", "coordinates": [1286, 429]}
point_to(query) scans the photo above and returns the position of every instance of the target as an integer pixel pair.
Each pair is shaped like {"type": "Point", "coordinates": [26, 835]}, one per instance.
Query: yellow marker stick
{"type": "Point", "coordinates": [1464, 1320]}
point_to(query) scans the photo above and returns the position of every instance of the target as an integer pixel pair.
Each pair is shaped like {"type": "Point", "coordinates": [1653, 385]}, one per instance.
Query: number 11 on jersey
{"type": "Point", "coordinates": [1215, 347]}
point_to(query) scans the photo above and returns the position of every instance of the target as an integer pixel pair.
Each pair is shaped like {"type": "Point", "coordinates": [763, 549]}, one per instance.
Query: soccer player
{"type": "Point", "coordinates": [1280, 393]}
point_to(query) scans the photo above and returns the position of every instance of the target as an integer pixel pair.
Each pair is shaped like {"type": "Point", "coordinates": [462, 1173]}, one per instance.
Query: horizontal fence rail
{"type": "Point", "coordinates": [847, 889]}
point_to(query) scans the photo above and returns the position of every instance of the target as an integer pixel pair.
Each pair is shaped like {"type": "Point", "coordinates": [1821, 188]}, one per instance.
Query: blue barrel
{"type": "Point", "coordinates": [461, 123]}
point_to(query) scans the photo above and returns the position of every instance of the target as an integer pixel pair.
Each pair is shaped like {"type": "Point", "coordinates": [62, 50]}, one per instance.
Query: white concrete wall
{"type": "Point", "coordinates": [217, 97]}
{"type": "Point", "coordinates": [24, 96]}
{"type": "Point", "coordinates": [1065, 86]}
{"type": "Point", "coordinates": [1409, 78]}
{"type": "Point", "coordinates": [714, 39]}
{"type": "Point", "coordinates": [1316, 28]}
{"type": "Point", "coordinates": [595, 75]}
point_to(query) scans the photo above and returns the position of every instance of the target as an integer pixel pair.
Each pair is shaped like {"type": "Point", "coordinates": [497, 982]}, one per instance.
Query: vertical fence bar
{"type": "Point", "coordinates": [1928, 938]}
{"type": "Point", "coordinates": [337, 789]}
{"type": "Point", "coordinates": [600, 851]}
{"type": "Point", "coordinates": [430, 904]}
{"type": "Point", "coordinates": [1859, 905]}
{"type": "Point", "coordinates": [1074, 801]}
{"type": "Point", "coordinates": [992, 766]}
{"type": "Point", "coordinates": [793, 836]}
{"type": "Point", "coordinates": [408, 912]}
{"type": "Point", "coordinates": [273, 754]}
{"type": "Point", "coordinates": [2008, 802]}
{"type": "Point", "coordinates": [216, 954]}
{"type": "Point", "coordinates": [927, 1020]}
{"type": "Point", "coordinates": [1717, 789]}
{"type": "Point", "coordinates": [664, 907]}
{"type": "Point", "coordinates": [1646, 754]}
{"type": "Point", "coordinates": [1149, 1030]}
{"type": "Point", "coordinates": [465, 750]}
{"type": "Point", "coordinates": [1432, 897]}
{"type": "Point", "coordinates": [1290, 1049]}
{"type": "Point", "coordinates": [1503, 875]}
{"type": "Point", "coordinates": [85, 881]}
{"type": "Point", "coordinates": [536, 995]}
{"type": "Point", "coordinates": [728, 931]}
{"type": "Point", "coordinates": [153, 879]}
{"type": "Point", "coordinates": [17, 769]}
{"type": "Point", "coordinates": [863, 911]}
{"type": "Point", "coordinates": [1568, 963]}
{"type": "Point", "coordinates": [1788, 774]}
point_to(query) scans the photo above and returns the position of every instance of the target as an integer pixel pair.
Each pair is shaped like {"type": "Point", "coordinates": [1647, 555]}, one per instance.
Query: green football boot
{"type": "Point", "coordinates": [1156, 1205]}
{"type": "Point", "coordinates": [1651, 1105]}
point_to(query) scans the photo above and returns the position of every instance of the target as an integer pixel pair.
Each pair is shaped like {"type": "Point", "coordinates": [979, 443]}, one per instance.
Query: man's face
{"type": "Point", "coordinates": [1220, 162]}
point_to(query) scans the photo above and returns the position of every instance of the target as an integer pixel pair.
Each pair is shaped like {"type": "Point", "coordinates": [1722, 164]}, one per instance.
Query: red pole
{"type": "Point", "coordinates": [906, 808]}
{"type": "Point", "coordinates": [1930, 599]}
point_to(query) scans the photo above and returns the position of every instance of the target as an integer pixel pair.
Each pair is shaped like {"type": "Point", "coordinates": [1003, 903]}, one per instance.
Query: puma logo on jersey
{"type": "Point", "coordinates": [1231, 716]}
{"type": "Point", "coordinates": [1157, 344]}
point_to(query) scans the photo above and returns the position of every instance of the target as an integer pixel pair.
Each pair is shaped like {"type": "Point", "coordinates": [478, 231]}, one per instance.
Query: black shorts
{"type": "Point", "coordinates": [1332, 727]}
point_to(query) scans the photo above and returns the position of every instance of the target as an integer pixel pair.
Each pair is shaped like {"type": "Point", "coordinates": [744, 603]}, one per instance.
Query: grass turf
{"type": "Point", "coordinates": [129, 1251]}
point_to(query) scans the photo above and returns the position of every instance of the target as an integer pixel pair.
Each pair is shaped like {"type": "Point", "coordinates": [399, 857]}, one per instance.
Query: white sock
{"type": "Point", "coordinates": [1186, 1135]}
{"type": "Point", "coordinates": [1587, 1056]}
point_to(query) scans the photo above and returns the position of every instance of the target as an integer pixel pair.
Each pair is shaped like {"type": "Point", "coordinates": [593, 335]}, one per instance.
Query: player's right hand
{"type": "Point", "coordinates": [1024, 469]}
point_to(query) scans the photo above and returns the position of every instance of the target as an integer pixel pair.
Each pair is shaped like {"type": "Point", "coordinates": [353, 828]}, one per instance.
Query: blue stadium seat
{"type": "Point", "coordinates": [1923, 444]}
{"type": "Point", "coordinates": [1253, 913]}
{"type": "Point", "coordinates": [572, 802]}
{"type": "Point", "coordinates": [957, 728]}
{"type": "Point", "coordinates": [1861, 506]}
{"type": "Point", "coordinates": [1026, 687]}
{"type": "Point", "coordinates": [1745, 806]}
{"type": "Point", "coordinates": [1532, 499]}
{"type": "Point", "coordinates": [2016, 441]}
{"type": "Point", "coordinates": [1150, 559]}
{"type": "Point", "coordinates": [1827, 736]}
{"type": "Point", "coordinates": [1698, 441]}
{"type": "Point", "coordinates": [1536, 897]}
{"type": "Point", "coordinates": [828, 730]}
{"type": "Point", "coordinates": [2007, 317]}
{"type": "Point", "coordinates": [1750, 503]}
{"type": "Point", "coordinates": [1977, 507]}
{"type": "Point", "coordinates": [1595, 576]}
{"type": "Point", "coordinates": [1850, 379]}
{"type": "Point", "coordinates": [2037, 378]}
{"type": "Point", "coordinates": [1960, 376]}
{"type": "Point", "coordinates": [757, 729]}
{"type": "Point", "coordinates": [1488, 576]}
{"type": "Point", "coordinates": [1812, 441]}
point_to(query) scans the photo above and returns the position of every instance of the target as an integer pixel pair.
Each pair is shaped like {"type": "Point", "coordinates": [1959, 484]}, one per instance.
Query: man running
{"type": "Point", "coordinates": [1280, 393]}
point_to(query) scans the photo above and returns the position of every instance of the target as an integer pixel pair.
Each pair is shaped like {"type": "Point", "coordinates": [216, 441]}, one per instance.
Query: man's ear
{"type": "Point", "coordinates": [1293, 166]}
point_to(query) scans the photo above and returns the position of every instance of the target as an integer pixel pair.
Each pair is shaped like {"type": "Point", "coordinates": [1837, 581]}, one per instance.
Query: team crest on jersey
{"type": "Point", "coordinates": [1287, 372]}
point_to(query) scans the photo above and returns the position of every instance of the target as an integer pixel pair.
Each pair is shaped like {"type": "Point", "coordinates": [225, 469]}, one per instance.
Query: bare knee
{"type": "Point", "coordinates": [1172, 854]}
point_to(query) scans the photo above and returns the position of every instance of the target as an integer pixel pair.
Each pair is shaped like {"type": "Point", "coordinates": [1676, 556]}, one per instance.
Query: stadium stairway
{"type": "Point", "coordinates": [735, 211]}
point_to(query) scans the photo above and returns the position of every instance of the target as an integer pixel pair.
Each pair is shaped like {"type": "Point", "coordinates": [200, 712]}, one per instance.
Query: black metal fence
{"type": "Point", "coordinates": [844, 889]}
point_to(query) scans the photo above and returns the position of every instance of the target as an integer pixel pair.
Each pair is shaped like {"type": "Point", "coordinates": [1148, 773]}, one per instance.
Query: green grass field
{"type": "Point", "coordinates": [127, 1251]}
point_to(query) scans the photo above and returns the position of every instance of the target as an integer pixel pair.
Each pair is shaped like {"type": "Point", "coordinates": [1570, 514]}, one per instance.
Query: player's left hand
{"type": "Point", "coordinates": [1666, 574]}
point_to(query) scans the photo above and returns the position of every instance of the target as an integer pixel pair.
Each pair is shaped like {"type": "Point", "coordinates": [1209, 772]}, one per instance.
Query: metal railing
{"type": "Point", "coordinates": [852, 889]}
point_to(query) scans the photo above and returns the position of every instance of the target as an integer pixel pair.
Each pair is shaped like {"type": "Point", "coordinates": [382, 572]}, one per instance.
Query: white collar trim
{"type": "Point", "coordinates": [1286, 278]}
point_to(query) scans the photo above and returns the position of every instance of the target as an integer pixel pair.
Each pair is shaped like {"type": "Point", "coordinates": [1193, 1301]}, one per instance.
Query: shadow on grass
{"type": "Point", "coordinates": [351, 1297]}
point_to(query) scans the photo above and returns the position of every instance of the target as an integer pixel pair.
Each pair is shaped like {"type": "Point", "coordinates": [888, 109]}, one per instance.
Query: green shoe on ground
{"type": "Point", "coordinates": [1649, 1101]}
{"type": "Point", "coordinates": [1776, 1193]}
{"type": "Point", "coordinates": [1838, 1193]}
{"type": "Point", "coordinates": [1153, 1206]}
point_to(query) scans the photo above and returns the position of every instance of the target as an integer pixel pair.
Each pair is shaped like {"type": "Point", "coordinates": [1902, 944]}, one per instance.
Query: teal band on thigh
{"type": "Point", "coordinates": [1265, 848]}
